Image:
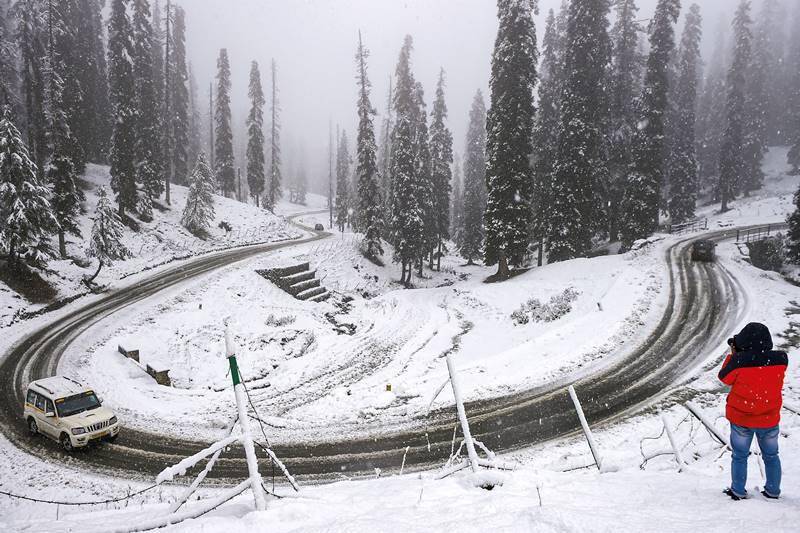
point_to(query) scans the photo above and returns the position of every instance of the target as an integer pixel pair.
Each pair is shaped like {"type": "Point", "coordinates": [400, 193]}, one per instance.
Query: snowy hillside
{"type": "Point", "coordinates": [155, 243]}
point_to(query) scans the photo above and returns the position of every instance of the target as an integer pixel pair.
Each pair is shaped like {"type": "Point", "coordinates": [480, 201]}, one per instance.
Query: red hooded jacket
{"type": "Point", "coordinates": [755, 374]}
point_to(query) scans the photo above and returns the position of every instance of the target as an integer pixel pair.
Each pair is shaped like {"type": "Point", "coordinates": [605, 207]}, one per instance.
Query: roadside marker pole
{"type": "Point", "coordinates": [585, 426]}
{"type": "Point", "coordinates": [462, 415]}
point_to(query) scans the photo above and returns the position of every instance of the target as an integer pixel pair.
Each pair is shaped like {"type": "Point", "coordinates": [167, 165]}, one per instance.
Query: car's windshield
{"type": "Point", "coordinates": [73, 405]}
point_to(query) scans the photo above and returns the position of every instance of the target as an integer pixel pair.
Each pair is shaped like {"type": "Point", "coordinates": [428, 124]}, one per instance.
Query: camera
{"type": "Point", "coordinates": [731, 342]}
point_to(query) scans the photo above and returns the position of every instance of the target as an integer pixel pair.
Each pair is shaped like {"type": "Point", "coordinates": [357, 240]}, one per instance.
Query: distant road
{"type": "Point", "coordinates": [705, 303]}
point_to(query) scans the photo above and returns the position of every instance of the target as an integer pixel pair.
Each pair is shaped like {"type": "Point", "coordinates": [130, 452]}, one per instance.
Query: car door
{"type": "Point", "coordinates": [51, 422]}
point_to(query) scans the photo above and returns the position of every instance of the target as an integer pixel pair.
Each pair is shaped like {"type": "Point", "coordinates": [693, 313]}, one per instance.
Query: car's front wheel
{"type": "Point", "coordinates": [66, 443]}
{"type": "Point", "coordinates": [33, 427]}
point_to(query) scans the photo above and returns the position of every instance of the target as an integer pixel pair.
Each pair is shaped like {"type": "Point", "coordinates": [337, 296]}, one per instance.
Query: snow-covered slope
{"type": "Point", "coordinates": [158, 242]}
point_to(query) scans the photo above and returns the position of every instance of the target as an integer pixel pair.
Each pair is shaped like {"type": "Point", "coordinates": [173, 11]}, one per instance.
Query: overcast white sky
{"type": "Point", "coordinates": [314, 41]}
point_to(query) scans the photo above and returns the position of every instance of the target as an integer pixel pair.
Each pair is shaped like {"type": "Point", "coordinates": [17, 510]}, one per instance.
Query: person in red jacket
{"type": "Point", "coordinates": [755, 374]}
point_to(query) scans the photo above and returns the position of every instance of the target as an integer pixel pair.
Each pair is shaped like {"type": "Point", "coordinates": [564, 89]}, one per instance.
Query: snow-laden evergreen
{"type": "Point", "coordinates": [581, 166]}
{"type": "Point", "coordinates": [757, 104]}
{"type": "Point", "coordinates": [640, 204]}
{"type": "Point", "coordinates": [441, 148]}
{"type": "Point", "coordinates": [456, 201]}
{"type": "Point", "coordinates": [682, 158]}
{"type": "Point", "coordinates": [223, 135]}
{"type": "Point", "coordinates": [474, 195]}
{"type": "Point", "coordinates": [369, 216]}
{"type": "Point", "coordinates": [198, 214]}
{"type": "Point", "coordinates": [343, 199]}
{"type": "Point", "coordinates": [733, 166]}
{"type": "Point", "coordinates": [711, 116]}
{"type": "Point", "coordinates": [407, 215]}
{"type": "Point", "coordinates": [385, 155]}
{"type": "Point", "coordinates": [123, 103]}
{"type": "Point", "coordinates": [274, 188]}
{"type": "Point", "coordinates": [147, 152]}
{"type": "Point", "coordinates": [793, 62]}
{"type": "Point", "coordinates": [105, 242]}
{"type": "Point", "coordinates": [255, 135]}
{"type": "Point", "coordinates": [423, 165]}
{"type": "Point", "coordinates": [509, 127]}
{"type": "Point", "coordinates": [179, 97]}
{"type": "Point", "coordinates": [26, 218]}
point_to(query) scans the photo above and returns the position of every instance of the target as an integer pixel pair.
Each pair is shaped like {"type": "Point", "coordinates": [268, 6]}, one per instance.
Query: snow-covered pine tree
{"type": "Point", "coordinates": [26, 218]}
{"type": "Point", "coordinates": [274, 190]}
{"type": "Point", "coordinates": [31, 38]}
{"type": "Point", "coordinates": [456, 202]}
{"type": "Point", "coordinates": [509, 132]}
{"type": "Point", "coordinates": [581, 163]}
{"type": "Point", "coordinates": [407, 213]}
{"type": "Point", "coordinates": [105, 243]}
{"type": "Point", "coordinates": [771, 27]}
{"type": "Point", "coordinates": [255, 135]}
{"type": "Point", "coordinates": [369, 219]}
{"type": "Point", "coordinates": [60, 171]}
{"type": "Point", "coordinates": [97, 108]}
{"type": "Point", "coordinates": [179, 98]}
{"type": "Point", "coordinates": [441, 147]}
{"type": "Point", "coordinates": [195, 118]}
{"type": "Point", "coordinates": [546, 129]}
{"type": "Point", "coordinates": [301, 186]}
{"type": "Point", "coordinates": [733, 166]}
{"type": "Point", "coordinates": [793, 236]}
{"type": "Point", "coordinates": [640, 204]}
{"type": "Point", "coordinates": [385, 156]}
{"type": "Point", "coordinates": [198, 214]}
{"type": "Point", "coordinates": [711, 117]}
{"type": "Point", "coordinates": [424, 177]}
{"type": "Point", "coordinates": [626, 85]}
{"type": "Point", "coordinates": [9, 80]}
{"type": "Point", "coordinates": [158, 56]}
{"type": "Point", "coordinates": [757, 107]}
{"type": "Point", "coordinates": [147, 151]}
{"type": "Point", "coordinates": [223, 137]}
{"type": "Point", "coordinates": [471, 245]}
{"type": "Point", "coordinates": [683, 159]}
{"type": "Point", "coordinates": [122, 94]}
{"type": "Point", "coordinates": [342, 182]}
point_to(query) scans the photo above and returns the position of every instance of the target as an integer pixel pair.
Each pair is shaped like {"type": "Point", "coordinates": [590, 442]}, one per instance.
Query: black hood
{"type": "Point", "coordinates": [754, 337]}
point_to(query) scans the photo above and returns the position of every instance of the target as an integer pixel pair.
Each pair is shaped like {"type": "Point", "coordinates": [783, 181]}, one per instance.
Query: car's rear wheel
{"type": "Point", "coordinates": [33, 427]}
{"type": "Point", "coordinates": [66, 443]}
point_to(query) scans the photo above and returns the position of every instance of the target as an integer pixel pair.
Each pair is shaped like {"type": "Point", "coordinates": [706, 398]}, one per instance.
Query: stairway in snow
{"type": "Point", "coordinates": [298, 280]}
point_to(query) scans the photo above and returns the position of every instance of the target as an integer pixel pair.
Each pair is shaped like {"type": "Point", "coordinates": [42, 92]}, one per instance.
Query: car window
{"type": "Point", "coordinates": [49, 407]}
{"type": "Point", "coordinates": [40, 402]}
{"type": "Point", "coordinates": [31, 399]}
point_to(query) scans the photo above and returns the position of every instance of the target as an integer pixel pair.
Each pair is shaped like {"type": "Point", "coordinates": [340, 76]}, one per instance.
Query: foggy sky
{"type": "Point", "coordinates": [314, 43]}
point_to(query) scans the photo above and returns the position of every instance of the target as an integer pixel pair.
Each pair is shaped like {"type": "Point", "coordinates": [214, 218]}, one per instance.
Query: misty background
{"type": "Point", "coordinates": [314, 42]}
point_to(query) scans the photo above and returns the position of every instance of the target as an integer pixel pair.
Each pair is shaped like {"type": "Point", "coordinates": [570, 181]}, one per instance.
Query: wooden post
{"type": "Point", "coordinates": [585, 426]}
{"type": "Point", "coordinates": [462, 415]}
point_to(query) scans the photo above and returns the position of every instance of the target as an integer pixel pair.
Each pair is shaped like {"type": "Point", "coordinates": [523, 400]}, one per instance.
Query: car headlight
{"type": "Point", "coordinates": [78, 431]}
{"type": "Point", "coordinates": [112, 421]}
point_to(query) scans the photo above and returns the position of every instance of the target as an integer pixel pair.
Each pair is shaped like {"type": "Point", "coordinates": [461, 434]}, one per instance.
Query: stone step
{"type": "Point", "coordinates": [310, 293]}
{"type": "Point", "coordinates": [320, 297]}
{"type": "Point", "coordinates": [282, 272]}
{"type": "Point", "coordinates": [302, 286]}
{"type": "Point", "coordinates": [297, 278]}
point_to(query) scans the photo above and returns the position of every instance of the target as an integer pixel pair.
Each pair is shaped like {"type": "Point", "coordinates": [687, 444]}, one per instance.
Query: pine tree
{"type": "Point", "coordinates": [733, 166]}
{"type": "Point", "coordinates": [509, 132]}
{"type": "Point", "coordinates": [456, 202]}
{"type": "Point", "coordinates": [407, 213]}
{"type": "Point", "coordinates": [196, 120]}
{"type": "Point", "coordinates": [581, 165]}
{"type": "Point", "coordinates": [794, 98]}
{"type": "Point", "coordinates": [9, 80]}
{"type": "Point", "coordinates": [640, 205]}
{"type": "Point", "coordinates": [369, 217]}
{"type": "Point", "coordinates": [385, 156]}
{"type": "Point", "coordinates": [342, 182]}
{"type": "Point", "coordinates": [274, 187]}
{"type": "Point", "coordinates": [123, 96]}
{"type": "Point", "coordinates": [179, 97]}
{"type": "Point", "coordinates": [147, 152]}
{"type": "Point", "coordinates": [423, 165]}
{"type": "Point", "coordinates": [223, 147]}
{"type": "Point", "coordinates": [255, 135]}
{"type": "Point", "coordinates": [793, 236]}
{"type": "Point", "coordinates": [301, 185]}
{"type": "Point", "coordinates": [26, 218]}
{"type": "Point", "coordinates": [31, 40]}
{"type": "Point", "coordinates": [711, 118]}
{"type": "Point", "coordinates": [441, 147]}
{"type": "Point", "coordinates": [546, 128]}
{"type": "Point", "coordinates": [683, 160]}
{"type": "Point", "coordinates": [105, 243]}
{"type": "Point", "coordinates": [198, 214]}
{"type": "Point", "coordinates": [757, 108]}
{"type": "Point", "coordinates": [626, 81]}
{"type": "Point", "coordinates": [61, 171]}
{"type": "Point", "coordinates": [772, 29]}
{"type": "Point", "coordinates": [472, 235]}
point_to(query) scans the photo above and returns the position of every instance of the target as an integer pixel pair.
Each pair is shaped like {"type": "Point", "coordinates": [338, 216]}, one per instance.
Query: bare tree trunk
{"type": "Point", "coordinates": [540, 258]}
{"type": "Point", "coordinates": [439, 257]}
{"type": "Point", "coordinates": [502, 267]}
{"type": "Point", "coordinates": [91, 280]}
{"type": "Point", "coordinates": [62, 244]}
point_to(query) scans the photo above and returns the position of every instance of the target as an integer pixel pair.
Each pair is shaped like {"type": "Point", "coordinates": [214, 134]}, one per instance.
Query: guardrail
{"type": "Point", "coordinates": [689, 227]}
{"type": "Point", "coordinates": [755, 234]}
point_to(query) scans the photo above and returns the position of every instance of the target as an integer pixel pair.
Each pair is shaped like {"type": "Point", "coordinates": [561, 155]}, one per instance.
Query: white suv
{"type": "Point", "coordinates": [65, 410]}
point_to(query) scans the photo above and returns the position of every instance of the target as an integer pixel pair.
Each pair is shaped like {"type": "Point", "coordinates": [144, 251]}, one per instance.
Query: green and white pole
{"type": "Point", "coordinates": [244, 422]}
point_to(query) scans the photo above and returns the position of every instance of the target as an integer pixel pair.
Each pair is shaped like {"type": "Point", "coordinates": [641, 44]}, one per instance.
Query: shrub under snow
{"type": "Point", "coordinates": [535, 311]}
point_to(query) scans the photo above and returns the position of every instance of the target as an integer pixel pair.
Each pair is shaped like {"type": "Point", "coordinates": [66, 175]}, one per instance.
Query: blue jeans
{"type": "Point", "coordinates": [741, 437]}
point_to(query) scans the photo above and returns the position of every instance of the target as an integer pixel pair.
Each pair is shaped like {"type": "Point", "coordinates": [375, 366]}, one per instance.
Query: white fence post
{"type": "Point", "coordinates": [462, 415]}
{"type": "Point", "coordinates": [586, 430]}
{"type": "Point", "coordinates": [675, 449]}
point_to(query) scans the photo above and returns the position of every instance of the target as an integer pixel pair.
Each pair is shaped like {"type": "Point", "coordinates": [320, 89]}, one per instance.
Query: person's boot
{"type": "Point", "coordinates": [735, 497]}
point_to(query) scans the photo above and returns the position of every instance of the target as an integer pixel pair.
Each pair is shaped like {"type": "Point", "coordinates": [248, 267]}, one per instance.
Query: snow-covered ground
{"type": "Point", "coordinates": [156, 243]}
